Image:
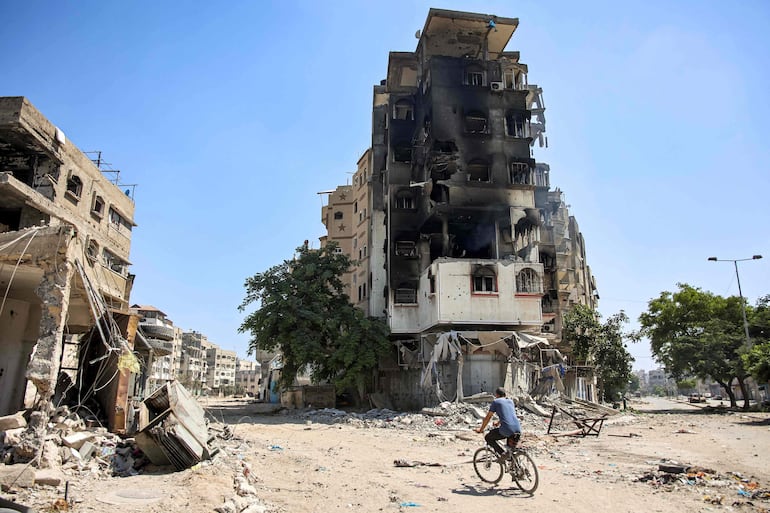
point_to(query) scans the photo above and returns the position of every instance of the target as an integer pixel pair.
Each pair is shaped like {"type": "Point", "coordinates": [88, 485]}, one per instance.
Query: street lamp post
{"type": "Point", "coordinates": [740, 293]}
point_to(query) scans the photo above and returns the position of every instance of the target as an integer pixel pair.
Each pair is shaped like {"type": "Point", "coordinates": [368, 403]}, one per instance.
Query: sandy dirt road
{"type": "Point", "coordinates": [299, 464]}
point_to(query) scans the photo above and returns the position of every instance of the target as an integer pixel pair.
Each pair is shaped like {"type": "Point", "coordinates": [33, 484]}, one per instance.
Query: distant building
{"type": "Point", "coordinates": [221, 369]}
{"type": "Point", "coordinates": [248, 377]}
{"type": "Point", "coordinates": [166, 342]}
{"type": "Point", "coordinates": [193, 371]}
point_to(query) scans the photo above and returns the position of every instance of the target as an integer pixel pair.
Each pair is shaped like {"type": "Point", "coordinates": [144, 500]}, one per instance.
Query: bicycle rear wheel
{"type": "Point", "coordinates": [487, 465]}
{"type": "Point", "coordinates": [525, 472]}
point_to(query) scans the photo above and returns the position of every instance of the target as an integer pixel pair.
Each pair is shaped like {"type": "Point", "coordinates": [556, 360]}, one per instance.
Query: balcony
{"type": "Point", "coordinates": [157, 331]}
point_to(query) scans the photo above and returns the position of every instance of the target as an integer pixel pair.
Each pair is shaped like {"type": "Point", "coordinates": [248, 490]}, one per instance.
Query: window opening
{"type": "Point", "coordinates": [527, 281]}
{"type": "Point", "coordinates": [75, 186]}
{"type": "Point", "coordinates": [406, 248]}
{"type": "Point", "coordinates": [403, 109]}
{"type": "Point", "coordinates": [476, 122]}
{"type": "Point", "coordinates": [474, 77]}
{"type": "Point", "coordinates": [405, 295]}
{"type": "Point", "coordinates": [338, 215]}
{"type": "Point", "coordinates": [516, 125]}
{"type": "Point", "coordinates": [98, 207]}
{"type": "Point", "coordinates": [404, 201]}
{"type": "Point", "coordinates": [484, 281]}
{"type": "Point", "coordinates": [402, 152]}
{"type": "Point", "coordinates": [521, 173]}
{"type": "Point", "coordinates": [478, 171]}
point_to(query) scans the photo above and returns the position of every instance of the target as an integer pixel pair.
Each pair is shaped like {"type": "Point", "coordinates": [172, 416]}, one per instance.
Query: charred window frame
{"type": "Point", "coordinates": [404, 110]}
{"type": "Point", "coordinates": [474, 76]}
{"type": "Point", "coordinates": [405, 201]}
{"type": "Point", "coordinates": [74, 187]}
{"type": "Point", "coordinates": [478, 171]}
{"type": "Point", "coordinates": [476, 122]}
{"type": "Point", "coordinates": [516, 125]}
{"type": "Point", "coordinates": [405, 295]}
{"type": "Point", "coordinates": [402, 152]}
{"type": "Point", "coordinates": [484, 281]}
{"type": "Point", "coordinates": [528, 282]}
{"type": "Point", "coordinates": [521, 173]}
{"type": "Point", "coordinates": [406, 248]}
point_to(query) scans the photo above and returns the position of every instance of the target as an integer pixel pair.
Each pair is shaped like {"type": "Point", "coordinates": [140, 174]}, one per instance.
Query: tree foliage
{"type": "Point", "coordinates": [757, 360]}
{"type": "Point", "coordinates": [304, 312]}
{"type": "Point", "coordinates": [600, 344]}
{"type": "Point", "coordinates": [696, 333]}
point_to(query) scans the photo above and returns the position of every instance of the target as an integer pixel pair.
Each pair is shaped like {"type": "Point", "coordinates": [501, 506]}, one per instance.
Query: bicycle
{"type": "Point", "coordinates": [490, 466]}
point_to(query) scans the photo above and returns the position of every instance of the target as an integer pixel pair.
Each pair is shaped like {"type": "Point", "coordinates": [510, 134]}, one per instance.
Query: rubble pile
{"type": "Point", "coordinates": [717, 488]}
{"type": "Point", "coordinates": [64, 443]}
{"type": "Point", "coordinates": [445, 416]}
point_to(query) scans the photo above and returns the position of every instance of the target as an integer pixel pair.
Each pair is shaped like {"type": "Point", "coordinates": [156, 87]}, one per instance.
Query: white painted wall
{"type": "Point", "coordinates": [454, 302]}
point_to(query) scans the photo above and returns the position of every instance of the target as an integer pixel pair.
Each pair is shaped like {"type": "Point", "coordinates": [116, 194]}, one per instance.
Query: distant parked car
{"type": "Point", "coordinates": [717, 397]}
{"type": "Point", "coordinates": [696, 398]}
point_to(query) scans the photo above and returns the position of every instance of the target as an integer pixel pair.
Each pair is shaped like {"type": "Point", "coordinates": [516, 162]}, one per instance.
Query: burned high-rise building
{"type": "Point", "coordinates": [471, 257]}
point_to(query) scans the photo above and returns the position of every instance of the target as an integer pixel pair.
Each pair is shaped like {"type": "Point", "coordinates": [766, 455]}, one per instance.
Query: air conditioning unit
{"type": "Point", "coordinates": [546, 328]}
{"type": "Point", "coordinates": [497, 86]}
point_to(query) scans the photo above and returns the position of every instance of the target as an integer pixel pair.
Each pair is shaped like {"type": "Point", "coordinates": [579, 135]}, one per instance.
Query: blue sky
{"type": "Point", "coordinates": [231, 116]}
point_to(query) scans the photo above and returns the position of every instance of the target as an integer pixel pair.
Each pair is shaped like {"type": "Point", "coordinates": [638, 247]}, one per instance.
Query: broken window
{"type": "Point", "coordinates": [338, 215]}
{"type": "Point", "coordinates": [113, 262]}
{"type": "Point", "coordinates": [97, 208]}
{"type": "Point", "coordinates": [406, 248]}
{"type": "Point", "coordinates": [403, 109]}
{"type": "Point", "coordinates": [478, 171]}
{"type": "Point", "coordinates": [474, 76]}
{"type": "Point", "coordinates": [74, 186]}
{"type": "Point", "coordinates": [92, 251]}
{"type": "Point", "coordinates": [432, 282]}
{"type": "Point", "coordinates": [405, 295]}
{"type": "Point", "coordinates": [484, 281]}
{"type": "Point", "coordinates": [528, 282]}
{"type": "Point", "coordinates": [404, 201]}
{"type": "Point", "coordinates": [402, 152]}
{"type": "Point", "coordinates": [521, 173]}
{"type": "Point", "coordinates": [516, 125]}
{"type": "Point", "coordinates": [476, 122]}
{"type": "Point", "coordinates": [118, 221]}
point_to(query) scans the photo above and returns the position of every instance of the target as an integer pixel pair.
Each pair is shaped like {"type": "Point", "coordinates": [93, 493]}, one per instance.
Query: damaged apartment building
{"type": "Point", "coordinates": [459, 240]}
{"type": "Point", "coordinates": [66, 331]}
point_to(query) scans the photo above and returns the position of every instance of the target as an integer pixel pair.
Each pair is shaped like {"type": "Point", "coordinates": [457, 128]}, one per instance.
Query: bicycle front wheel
{"type": "Point", "coordinates": [488, 466]}
{"type": "Point", "coordinates": [525, 472]}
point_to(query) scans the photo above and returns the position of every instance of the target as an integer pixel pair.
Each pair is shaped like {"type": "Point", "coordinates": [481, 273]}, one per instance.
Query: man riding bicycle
{"type": "Point", "coordinates": [508, 426]}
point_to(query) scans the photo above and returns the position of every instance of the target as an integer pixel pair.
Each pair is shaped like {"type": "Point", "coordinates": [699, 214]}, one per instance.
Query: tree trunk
{"type": "Point", "coordinates": [745, 392]}
{"type": "Point", "coordinates": [728, 391]}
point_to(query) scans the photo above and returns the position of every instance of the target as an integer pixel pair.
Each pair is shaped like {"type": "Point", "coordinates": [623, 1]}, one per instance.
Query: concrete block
{"type": "Point", "coordinates": [76, 440]}
{"type": "Point", "coordinates": [49, 477]}
{"type": "Point", "coordinates": [12, 421]}
{"type": "Point", "coordinates": [12, 437]}
{"type": "Point", "coordinates": [50, 457]}
{"type": "Point", "coordinates": [17, 476]}
{"type": "Point", "coordinates": [87, 450]}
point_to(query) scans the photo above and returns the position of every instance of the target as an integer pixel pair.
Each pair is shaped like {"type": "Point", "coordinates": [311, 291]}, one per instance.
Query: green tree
{"type": "Point", "coordinates": [757, 360]}
{"type": "Point", "coordinates": [600, 344]}
{"type": "Point", "coordinates": [697, 333]}
{"type": "Point", "coordinates": [304, 312]}
{"type": "Point", "coordinates": [633, 383]}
